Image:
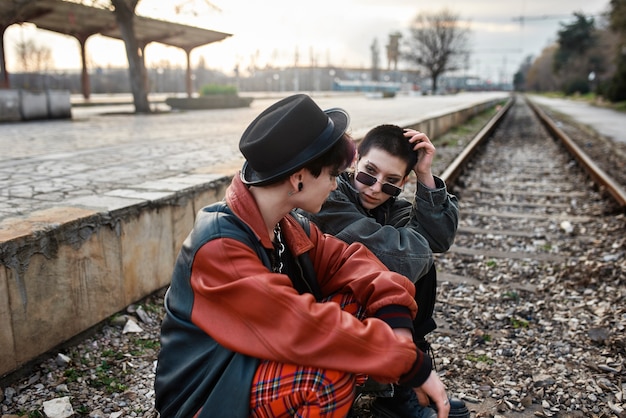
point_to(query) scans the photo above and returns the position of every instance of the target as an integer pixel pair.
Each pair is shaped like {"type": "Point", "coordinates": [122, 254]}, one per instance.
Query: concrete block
{"type": "Point", "coordinates": [8, 360]}
{"type": "Point", "coordinates": [209, 195]}
{"type": "Point", "coordinates": [146, 252]}
{"type": "Point", "coordinates": [183, 216]}
{"type": "Point", "coordinates": [62, 273]}
{"type": "Point", "coordinates": [10, 106]}
{"type": "Point", "coordinates": [59, 104]}
{"type": "Point", "coordinates": [70, 285]}
{"type": "Point", "coordinates": [33, 105]}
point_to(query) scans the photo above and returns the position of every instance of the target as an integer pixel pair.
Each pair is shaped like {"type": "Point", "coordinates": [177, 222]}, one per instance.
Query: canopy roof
{"type": "Point", "coordinates": [82, 21]}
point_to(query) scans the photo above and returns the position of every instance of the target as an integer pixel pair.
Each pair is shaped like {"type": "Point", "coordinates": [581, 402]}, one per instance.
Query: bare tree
{"type": "Point", "coordinates": [540, 76]}
{"type": "Point", "coordinates": [33, 57]}
{"type": "Point", "coordinates": [437, 43]}
{"type": "Point", "coordinates": [13, 15]}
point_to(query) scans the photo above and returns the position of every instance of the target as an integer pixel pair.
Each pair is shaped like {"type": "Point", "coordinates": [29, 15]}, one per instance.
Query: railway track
{"type": "Point", "coordinates": [531, 313]}
{"type": "Point", "coordinates": [531, 295]}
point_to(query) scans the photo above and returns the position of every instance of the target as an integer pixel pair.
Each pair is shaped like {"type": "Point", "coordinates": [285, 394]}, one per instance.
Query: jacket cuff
{"type": "Point", "coordinates": [419, 371]}
{"type": "Point", "coordinates": [396, 316]}
{"type": "Point", "coordinates": [436, 196]}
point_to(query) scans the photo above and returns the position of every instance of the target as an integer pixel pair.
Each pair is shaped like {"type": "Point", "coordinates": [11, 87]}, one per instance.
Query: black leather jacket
{"type": "Point", "coordinates": [403, 234]}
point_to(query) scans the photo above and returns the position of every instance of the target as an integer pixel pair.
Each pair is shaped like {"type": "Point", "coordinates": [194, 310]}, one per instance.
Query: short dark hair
{"type": "Point", "coordinates": [338, 157]}
{"type": "Point", "coordinates": [391, 139]}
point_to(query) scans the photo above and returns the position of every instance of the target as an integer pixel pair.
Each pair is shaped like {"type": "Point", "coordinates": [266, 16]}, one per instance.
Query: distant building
{"type": "Point", "coordinates": [171, 80]}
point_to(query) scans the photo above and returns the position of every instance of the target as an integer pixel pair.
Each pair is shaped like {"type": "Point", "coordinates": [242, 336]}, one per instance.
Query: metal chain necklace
{"type": "Point", "coordinates": [280, 249]}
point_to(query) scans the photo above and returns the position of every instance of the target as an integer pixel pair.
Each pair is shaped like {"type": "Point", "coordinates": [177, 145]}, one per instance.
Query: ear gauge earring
{"type": "Point", "coordinates": [300, 186]}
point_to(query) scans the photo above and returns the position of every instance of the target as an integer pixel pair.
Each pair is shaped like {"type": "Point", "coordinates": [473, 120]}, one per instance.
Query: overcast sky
{"type": "Point", "coordinates": [335, 32]}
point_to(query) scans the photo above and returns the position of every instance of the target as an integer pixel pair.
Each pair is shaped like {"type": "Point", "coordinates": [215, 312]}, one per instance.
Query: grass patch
{"type": "Point", "coordinates": [462, 134]}
{"type": "Point", "coordinates": [482, 358]}
{"type": "Point", "coordinates": [511, 295]}
{"type": "Point", "coordinates": [519, 323]}
{"type": "Point", "coordinates": [142, 345]}
{"type": "Point", "coordinates": [71, 375]}
{"type": "Point", "coordinates": [114, 354]}
{"type": "Point", "coordinates": [104, 379]}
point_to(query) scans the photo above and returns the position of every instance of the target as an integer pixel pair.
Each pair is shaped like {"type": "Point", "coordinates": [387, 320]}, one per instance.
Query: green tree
{"type": "Point", "coordinates": [519, 78]}
{"type": "Point", "coordinates": [616, 89]}
{"type": "Point", "coordinates": [437, 43]}
{"type": "Point", "coordinates": [576, 57]}
{"type": "Point", "coordinates": [617, 17]}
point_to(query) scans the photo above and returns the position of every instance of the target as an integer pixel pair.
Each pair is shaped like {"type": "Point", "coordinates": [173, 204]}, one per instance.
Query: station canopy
{"type": "Point", "coordinates": [82, 21]}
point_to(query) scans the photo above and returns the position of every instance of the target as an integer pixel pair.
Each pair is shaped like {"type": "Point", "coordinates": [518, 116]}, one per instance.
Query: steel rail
{"type": "Point", "coordinates": [598, 175]}
{"type": "Point", "coordinates": [454, 170]}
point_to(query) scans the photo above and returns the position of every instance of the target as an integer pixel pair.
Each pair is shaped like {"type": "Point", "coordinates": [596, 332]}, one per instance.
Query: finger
{"type": "Point", "coordinates": [418, 139]}
{"type": "Point", "coordinates": [423, 145]}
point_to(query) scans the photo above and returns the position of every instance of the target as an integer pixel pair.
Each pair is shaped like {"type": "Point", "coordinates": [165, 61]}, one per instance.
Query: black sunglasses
{"type": "Point", "coordinates": [369, 180]}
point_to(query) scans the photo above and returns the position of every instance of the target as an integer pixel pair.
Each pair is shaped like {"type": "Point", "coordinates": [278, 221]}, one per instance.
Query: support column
{"type": "Point", "coordinates": [84, 76]}
{"type": "Point", "coordinates": [4, 74]}
{"type": "Point", "coordinates": [188, 75]}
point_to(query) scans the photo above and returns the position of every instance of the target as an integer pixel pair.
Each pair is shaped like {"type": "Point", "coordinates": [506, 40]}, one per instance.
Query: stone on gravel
{"type": "Point", "coordinates": [131, 326]}
{"type": "Point", "coordinates": [58, 408]}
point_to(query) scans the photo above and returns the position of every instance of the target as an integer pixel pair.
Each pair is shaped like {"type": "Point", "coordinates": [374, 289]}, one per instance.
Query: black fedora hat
{"type": "Point", "coordinates": [286, 136]}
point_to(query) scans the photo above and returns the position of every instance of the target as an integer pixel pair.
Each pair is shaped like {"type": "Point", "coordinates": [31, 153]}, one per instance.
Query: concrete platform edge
{"type": "Point", "coordinates": [66, 269]}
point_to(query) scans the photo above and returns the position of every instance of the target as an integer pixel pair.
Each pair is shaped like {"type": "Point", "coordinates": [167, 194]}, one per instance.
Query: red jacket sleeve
{"type": "Point", "coordinates": [251, 310]}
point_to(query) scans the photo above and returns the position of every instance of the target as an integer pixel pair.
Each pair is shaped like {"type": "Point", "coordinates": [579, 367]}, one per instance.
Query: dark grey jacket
{"type": "Point", "coordinates": [403, 235]}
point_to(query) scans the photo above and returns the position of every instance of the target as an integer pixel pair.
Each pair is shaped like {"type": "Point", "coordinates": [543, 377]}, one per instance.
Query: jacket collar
{"type": "Point", "coordinates": [242, 203]}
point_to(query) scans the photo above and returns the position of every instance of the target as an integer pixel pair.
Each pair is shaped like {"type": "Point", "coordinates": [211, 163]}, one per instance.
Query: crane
{"type": "Point", "coordinates": [523, 19]}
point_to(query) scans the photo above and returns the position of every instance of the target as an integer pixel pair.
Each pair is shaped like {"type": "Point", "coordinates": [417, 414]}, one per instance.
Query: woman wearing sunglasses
{"type": "Point", "coordinates": [403, 234]}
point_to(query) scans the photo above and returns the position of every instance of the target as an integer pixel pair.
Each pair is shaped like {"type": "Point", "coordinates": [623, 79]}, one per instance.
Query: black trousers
{"type": "Point", "coordinates": [425, 295]}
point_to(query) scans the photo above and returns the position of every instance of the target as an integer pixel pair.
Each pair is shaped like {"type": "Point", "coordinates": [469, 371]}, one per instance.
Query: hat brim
{"type": "Point", "coordinates": [340, 120]}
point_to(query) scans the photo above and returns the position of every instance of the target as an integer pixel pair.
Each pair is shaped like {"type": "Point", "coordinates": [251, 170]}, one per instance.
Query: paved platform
{"type": "Point", "coordinates": [607, 122]}
{"type": "Point", "coordinates": [105, 152]}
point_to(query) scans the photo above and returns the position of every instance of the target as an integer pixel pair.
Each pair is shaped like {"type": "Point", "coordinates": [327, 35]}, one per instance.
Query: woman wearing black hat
{"type": "Point", "coordinates": [266, 316]}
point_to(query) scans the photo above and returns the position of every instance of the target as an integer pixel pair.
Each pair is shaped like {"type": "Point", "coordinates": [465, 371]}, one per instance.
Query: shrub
{"type": "Point", "coordinates": [580, 86]}
{"type": "Point", "coordinates": [213, 89]}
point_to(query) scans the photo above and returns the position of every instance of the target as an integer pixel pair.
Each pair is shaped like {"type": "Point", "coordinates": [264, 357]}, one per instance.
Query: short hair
{"type": "Point", "coordinates": [338, 157]}
{"type": "Point", "coordinates": [391, 139]}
